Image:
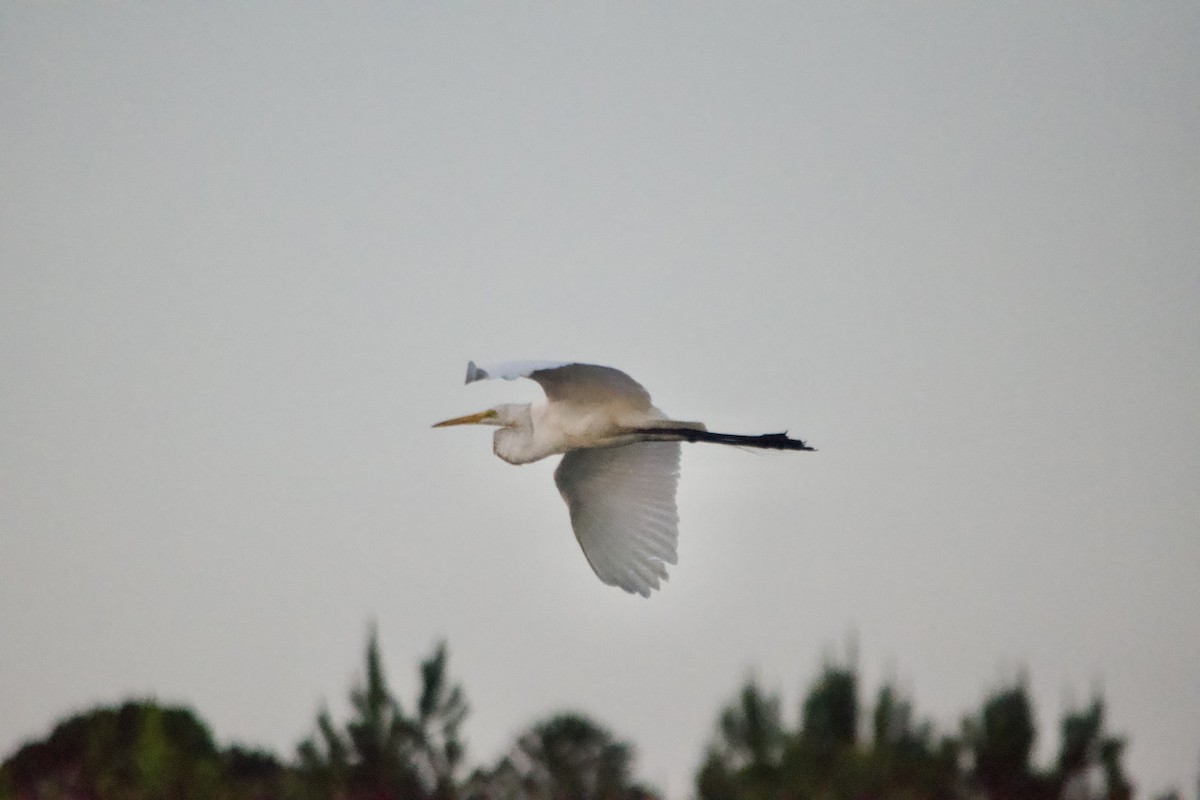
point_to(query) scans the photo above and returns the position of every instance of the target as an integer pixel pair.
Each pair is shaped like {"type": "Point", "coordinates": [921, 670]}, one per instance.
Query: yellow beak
{"type": "Point", "coordinates": [469, 419]}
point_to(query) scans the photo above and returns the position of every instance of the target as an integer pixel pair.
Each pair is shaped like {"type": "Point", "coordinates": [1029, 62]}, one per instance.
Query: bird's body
{"type": "Point", "coordinates": [620, 465]}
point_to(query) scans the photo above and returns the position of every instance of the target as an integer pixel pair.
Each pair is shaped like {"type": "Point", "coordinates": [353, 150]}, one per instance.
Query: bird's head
{"type": "Point", "coordinates": [513, 440]}
{"type": "Point", "coordinates": [502, 416]}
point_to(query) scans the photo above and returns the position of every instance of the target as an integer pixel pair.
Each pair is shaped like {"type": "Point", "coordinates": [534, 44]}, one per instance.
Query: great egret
{"type": "Point", "coordinates": [620, 460]}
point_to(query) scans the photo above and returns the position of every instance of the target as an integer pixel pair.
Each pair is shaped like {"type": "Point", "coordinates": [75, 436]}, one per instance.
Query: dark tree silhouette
{"type": "Point", "coordinates": [1001, 739]}
{"type": "Point", "coordinates": [137, 750]}
{"type": "Point", "coordinates": [745, 759]}
{"type": "Point", "coordinates": [823, 757]}
{"type": "Point", "coordinates": [830, 712]}
{"type": "Point", "coordinates": [832, 751]}
{"type": "Point", "coordinates": [1085, 747]}
{"type": "Point", "coordinates": [250, 774]}
{"type": "Point", "coordinates": [904, 760]}
{"type": "Point", "coordinates": [568, 756]}
{"type": "Point", "coordinates": [385, 754]}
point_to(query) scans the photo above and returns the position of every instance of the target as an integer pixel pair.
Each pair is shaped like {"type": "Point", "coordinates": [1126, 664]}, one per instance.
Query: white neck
{"type": "Point", "coordinates": [514, 441]}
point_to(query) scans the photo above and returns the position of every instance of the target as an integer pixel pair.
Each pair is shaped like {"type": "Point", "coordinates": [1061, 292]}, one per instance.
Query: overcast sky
{"type": "Point", "coordinates": [247, 249]}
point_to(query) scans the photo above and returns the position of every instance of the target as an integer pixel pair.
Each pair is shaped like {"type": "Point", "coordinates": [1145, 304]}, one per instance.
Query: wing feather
{"type": "Point", "coordinates": [509, 370]}
{"type": "Point", "coordinates": [569, 382]}
{"type": "Point", "coordinates": [622, 506]}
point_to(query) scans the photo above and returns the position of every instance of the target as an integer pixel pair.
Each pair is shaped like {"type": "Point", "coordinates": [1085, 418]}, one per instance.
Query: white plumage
{"type": "Point", "coordinates": [622, 504]}
{"type": "Point", "coordinates": [620, 465]}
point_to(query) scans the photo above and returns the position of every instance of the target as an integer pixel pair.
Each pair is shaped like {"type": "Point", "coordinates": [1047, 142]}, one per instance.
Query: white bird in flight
{"type": "Point", "coordinates": [620, 460]}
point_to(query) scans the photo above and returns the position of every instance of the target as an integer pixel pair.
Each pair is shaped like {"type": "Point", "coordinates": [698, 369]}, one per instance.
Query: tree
{"type": "Point", "coordinates": [441, 709]}
{"type": "Point", "coordinates": [744, 760]}
{"type": "Point", "coordinates": [1116, 784]}
{"type": "Point", "coordinates": [250, 774]}
{"type": "Point", "coordinates": [756, 756]}
{"type": "Point", "coordinates": [1079, 749]}
{"type": "Point", "coordinates": [904, 761]}
{"type": "Point", "coordinates": [830, 711]}
{"type": "Point", "coordinates": [137, 751]}
{"type": "Point", "coordinates": [1001, 740]}
{"type": "Point", "coordinates": [567, 756]}
{"type": "Point", "coordinates": [380, 736]}
{"type": "Point", "coordinates": [1086, 747]}
{"type": "Point", "coordinates": [822, 758]}
{"type": "Point", "coordinates": [324, 761]}
{"type": "Point", "coordinates": [385, 754]}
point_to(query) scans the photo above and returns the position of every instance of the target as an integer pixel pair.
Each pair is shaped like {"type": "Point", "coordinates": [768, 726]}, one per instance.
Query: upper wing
{"type": "Point", "coordinates": [509, 370]}
{"type": "Point", "coordinates": [622, 504]}
{"type": "Point", "coordinates": [568, 382]}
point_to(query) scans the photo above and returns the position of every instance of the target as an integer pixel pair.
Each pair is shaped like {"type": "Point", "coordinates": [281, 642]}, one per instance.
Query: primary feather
{"type": "Point", "coordinates": [622, 505]}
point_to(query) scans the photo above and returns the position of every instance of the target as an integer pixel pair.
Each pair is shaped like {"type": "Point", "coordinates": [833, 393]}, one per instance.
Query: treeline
{"type": "Point", "coordinates": [393, 750]}
{"type": "Point", "coordinates": [757, 756]}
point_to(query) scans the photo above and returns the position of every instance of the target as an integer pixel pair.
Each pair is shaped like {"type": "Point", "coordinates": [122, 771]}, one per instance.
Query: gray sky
{"type": "Point", "coordinates": [247, 249]}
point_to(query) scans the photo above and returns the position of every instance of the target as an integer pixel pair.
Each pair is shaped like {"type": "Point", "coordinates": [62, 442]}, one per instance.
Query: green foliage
{"type": "Point", "coordinates": [746, 758]}
{"type": "Point", "coordinates": [1080, 739]}
{"type": "Point", "coordinates": [248, 774]}
{"type": "Point", "coordinates": [822, 758]}
{"type": "Point", "coordinates": [135, 751]}
{"type": "Point", "coordinates": [833, 751]}
{"type": "Point", "coordinates": [752, 730]}
{"type": "Point", "coordinates": [1001, 740]}
{"type": "Point", "coordinates": [755, 755]}
{"type": "Point", "coordinates": [567, 756]}
{"type": "Point", "coordinates": [906, 759]}
{"type": "Point", "coordinates": [830, 715]}
{"type": "Point", "coordinates": [324, 761]}
{"type": "Point", "coordinates": [383, 752]}
{"type": "Point", "coordinates": [441, 709]}
{"type": "Point", "coordinates": [1116, 784]}
{"type": "Point", "coordinates": [1085, 745]}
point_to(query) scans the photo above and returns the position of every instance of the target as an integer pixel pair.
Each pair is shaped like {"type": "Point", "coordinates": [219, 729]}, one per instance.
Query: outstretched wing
{"type": "Point", "coordinates": [622, 504]}
{"type": "Point", "coordinates": [510, 370]}
{"type": "Point", "coordinates": [570, 383]}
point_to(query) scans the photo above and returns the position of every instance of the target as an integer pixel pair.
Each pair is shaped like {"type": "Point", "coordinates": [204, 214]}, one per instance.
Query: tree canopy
{"type": "Point", "coordinates": [831, 748]}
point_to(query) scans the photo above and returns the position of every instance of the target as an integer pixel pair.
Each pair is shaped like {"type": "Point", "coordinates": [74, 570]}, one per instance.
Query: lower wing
{"type": "Point", "coordinates": [622, 504]}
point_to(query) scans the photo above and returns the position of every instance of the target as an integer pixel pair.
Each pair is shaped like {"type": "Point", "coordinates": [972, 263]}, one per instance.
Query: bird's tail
{"type": "Point", "coordinates": [685, 432]}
